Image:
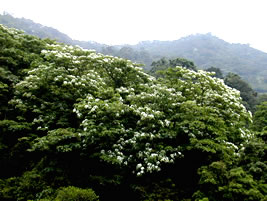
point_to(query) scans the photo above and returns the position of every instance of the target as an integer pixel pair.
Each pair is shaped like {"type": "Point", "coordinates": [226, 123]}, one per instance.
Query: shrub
{"type": "Point", "coordinates": [72, 193]}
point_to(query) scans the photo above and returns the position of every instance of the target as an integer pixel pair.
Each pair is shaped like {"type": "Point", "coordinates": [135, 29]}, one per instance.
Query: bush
{"type": "Point", "coordinates": [72, 193]}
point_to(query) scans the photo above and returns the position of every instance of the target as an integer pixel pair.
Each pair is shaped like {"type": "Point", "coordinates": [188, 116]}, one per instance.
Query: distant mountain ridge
{"type": "Point", "coordinates": [36, 29]}
{"type": "Point", "coordinates": [205, 50]}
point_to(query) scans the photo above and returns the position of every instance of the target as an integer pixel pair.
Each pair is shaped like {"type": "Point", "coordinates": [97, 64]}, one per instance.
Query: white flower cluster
{"type": "Point", "coordinates": [124, 90]}
{"type": "Point", "coordinates": [231, 145]}
{"type": "Point", "coordinates": [11, 31]}
{"type": "Point", "coordinates": [149, 114]}
{"type": "Point", "coordinates": [150, 160]}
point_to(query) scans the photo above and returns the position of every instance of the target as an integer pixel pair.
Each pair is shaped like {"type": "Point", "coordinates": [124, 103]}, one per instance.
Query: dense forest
{"type": "Point", "coordinates": [205, 50]}
{"type": "Point", "coordinates": [80, 125]}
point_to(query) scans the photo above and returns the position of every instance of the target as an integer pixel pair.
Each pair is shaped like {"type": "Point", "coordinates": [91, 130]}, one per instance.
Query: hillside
{"type": "Point", "coordinates": [205, 50]}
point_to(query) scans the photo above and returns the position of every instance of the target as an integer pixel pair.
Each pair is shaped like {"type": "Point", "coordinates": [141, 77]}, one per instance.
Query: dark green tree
{"type": "Point", "coordinates": [246, 92]}
{"type": "Point", "coordinates": [218, 72]}
{"type": "Point", "coordinates": [18, 54]}
{"type": "Point", "coordinates": [165, 63]}
{"type": "Point", "coordinates": [260, 121]}
{"type": "Point", "coordinates": [260, 117]}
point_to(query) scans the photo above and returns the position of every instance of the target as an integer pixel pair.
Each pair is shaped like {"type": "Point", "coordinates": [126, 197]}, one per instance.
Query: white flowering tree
{"type": "Point", "coordinates": [212, 110]}
{"type": "Point", "coordinates": [156, 122]}
{"type": "Point", "coordinates": [129, 118]}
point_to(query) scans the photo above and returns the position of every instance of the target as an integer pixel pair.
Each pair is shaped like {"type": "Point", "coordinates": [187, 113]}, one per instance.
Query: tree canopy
{"type": "Point", "coordinates": [73, 120]}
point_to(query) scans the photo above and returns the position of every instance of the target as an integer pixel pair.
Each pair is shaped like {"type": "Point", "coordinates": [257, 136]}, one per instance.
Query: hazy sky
{"type": "Point", "coordinates": [131, 21]}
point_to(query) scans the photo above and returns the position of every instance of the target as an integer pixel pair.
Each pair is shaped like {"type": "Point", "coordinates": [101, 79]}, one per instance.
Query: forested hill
{"type": "Point", "coordinates": [205, 50]}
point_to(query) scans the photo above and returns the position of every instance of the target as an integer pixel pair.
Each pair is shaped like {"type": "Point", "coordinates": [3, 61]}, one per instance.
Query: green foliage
{"type": "Point", "coordinates": [72, 193]}
{"type": "Point", "coordinates": [13, 152]}
{"type": "Point", "coordinates": [246, 92]}
{"type": "Point", "coordinates": [244, 179]}
{"type": "Point", "coordinates": [218, 72]}
{"type": "Point", "coordinates": [164, 63]}
{"type": "Point", "coordinates": [18, 53]}
{"type": "Point", "coordinates": [29, 186]}
{"type": "Point", "coordinates": [260, 117]}
{"type": "Point", "coordinates": [219, 183]}
{"type": "Point", "coordinates": [74, 117]}
{"type": "Point", "coordinates": [160, 190]}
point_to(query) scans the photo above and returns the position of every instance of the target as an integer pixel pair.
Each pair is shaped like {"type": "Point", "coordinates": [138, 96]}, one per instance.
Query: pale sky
{"type": "Point", "coordinates": [130, 21]}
